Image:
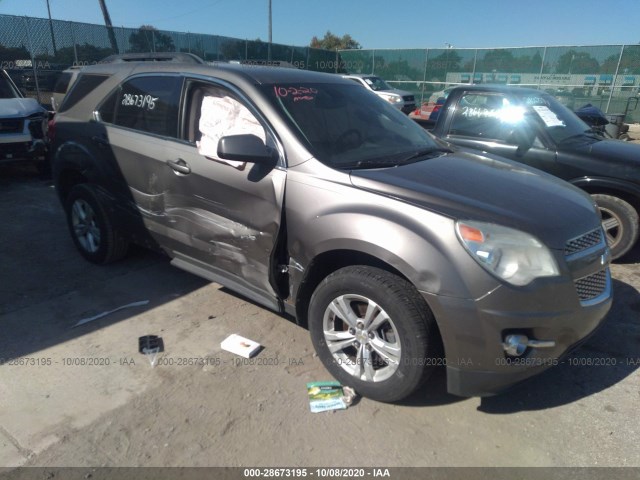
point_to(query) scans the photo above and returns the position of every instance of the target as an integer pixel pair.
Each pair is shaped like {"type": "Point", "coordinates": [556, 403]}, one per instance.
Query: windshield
{"type": "Point", "coordinates": [377, 84]}
{"type": "Point", "coordinates": [345, 126]}
{"type": "Point", "coordinates": [6, 89]}
{"type": "Point", "coordinates": [558, 121]}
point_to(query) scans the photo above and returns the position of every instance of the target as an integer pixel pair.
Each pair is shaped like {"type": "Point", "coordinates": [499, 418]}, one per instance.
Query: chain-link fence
{"type": "Point", "coordinates": [34, 51]}
{"type": "Point", "coordinates": [606, 76]}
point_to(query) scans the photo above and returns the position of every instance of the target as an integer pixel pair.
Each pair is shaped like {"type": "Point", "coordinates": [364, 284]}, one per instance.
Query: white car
{"type": "Point", "coordinates": [23, 126]}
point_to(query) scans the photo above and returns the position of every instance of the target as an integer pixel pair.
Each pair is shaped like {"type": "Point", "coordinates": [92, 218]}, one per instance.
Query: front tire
{"type": "Point", "coordinates": [374, 332]}
{"type": "Point", "coordinates": [91, 227]}
{"type": "Point", "coordinates": [620, 223]}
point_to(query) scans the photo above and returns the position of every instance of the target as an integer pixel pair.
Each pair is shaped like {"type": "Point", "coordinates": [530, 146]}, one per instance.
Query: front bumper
{"type": "Point", "coordinates": [473, 332]}
{"type": "Point", "coordinates": [30, 151]}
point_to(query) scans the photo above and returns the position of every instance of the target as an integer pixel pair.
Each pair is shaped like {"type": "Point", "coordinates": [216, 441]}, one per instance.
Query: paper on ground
{"type": "Point", "coordinates": [240, 345]}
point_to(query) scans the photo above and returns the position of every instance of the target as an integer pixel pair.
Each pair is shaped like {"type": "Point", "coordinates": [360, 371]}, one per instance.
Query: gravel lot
{"type": "Point", "coordinates": [84, 396]}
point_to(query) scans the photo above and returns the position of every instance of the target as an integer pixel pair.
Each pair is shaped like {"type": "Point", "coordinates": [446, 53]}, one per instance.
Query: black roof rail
{"type": "Point", "coordinates": [175, 57]}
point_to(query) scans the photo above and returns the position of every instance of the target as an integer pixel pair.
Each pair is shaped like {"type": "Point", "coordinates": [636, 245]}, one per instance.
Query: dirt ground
{"type": "Point", "coordinates": [84, 395]}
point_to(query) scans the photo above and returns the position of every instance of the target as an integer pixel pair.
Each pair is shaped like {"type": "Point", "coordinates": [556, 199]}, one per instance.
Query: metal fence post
{"type": "Point", "coordinates": [33, 58]}
{"type": "Point", "coordinates": [424, 75]}
{"type": "Point", "coordinates": [615, 79]}
{"type": "Point", "coordinates": [75, 48]}
{"type": "Point", "coordinates": [544, 56]}
{"type": "Point", "coordinates": [475, 62]}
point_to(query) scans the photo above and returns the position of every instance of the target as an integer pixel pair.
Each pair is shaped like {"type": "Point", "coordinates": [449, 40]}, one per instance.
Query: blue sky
{"type": "Point", "coordinates": [373, 23]}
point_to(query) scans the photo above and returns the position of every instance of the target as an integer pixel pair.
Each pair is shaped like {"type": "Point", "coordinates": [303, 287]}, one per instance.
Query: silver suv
{"type": "Point", "coordinates": [312, 197]}
{"type": "Point", "coordinates": [401, 99]}
{"type": "Point", "coordinates": [23, 126]}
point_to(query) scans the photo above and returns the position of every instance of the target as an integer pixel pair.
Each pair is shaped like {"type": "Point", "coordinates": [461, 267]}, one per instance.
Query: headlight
{"type": "Point", "coordinates": [514, 256]}
{"type": "Point", "coordinates": [394, 99]}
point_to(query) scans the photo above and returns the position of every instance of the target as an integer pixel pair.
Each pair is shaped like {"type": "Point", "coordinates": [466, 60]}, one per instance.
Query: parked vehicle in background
{"type": "Point", "coordinates": [400, 99]}
{"type": "Point", "coordinates": [23, 126]}
{"type": "Point", "coordinates": [429, 111]}
{"type": "Point", "coordinates": [532, 127]}
{"type": "Point", "coordinates": [62, 86]}
{"type": "Point", "coordinates": [46, 79]}
{"type": "Point", "coordinates": [309, 195]}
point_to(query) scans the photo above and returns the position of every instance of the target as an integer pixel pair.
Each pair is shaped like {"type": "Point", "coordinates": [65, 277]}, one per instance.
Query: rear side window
{"type": "Point", "coordinates": [62, 83]}
{"type": "Point", "coordinates": [148, 104]}
{"type": "Point", "coordinates": [81, 88]}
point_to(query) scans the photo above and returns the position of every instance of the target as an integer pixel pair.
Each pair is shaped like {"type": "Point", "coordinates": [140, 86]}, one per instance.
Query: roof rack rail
{"type": "Point", "coordinates": [175, 57]}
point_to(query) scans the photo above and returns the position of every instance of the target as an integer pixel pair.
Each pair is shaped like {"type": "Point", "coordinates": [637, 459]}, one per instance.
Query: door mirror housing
{"type": "Point", "coordinates": [246, 148]}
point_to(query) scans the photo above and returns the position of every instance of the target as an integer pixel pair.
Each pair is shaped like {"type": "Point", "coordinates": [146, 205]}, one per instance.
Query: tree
{"type": "Point", "coordinates": [333, 42]}
{"type": "Point", "coordinates": [577, 62]}
{"type": "Point", "coordinates": [498, 60]}
{"type": "Point", "coordinates": [629, 63]}
{"type": "Point", "coordinates": [149, 39]}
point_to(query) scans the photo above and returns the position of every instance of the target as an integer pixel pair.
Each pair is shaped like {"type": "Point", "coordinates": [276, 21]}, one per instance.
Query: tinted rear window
{"type": "Point", "coordinates": [147, 104]}
{"type": "Point", "coordinates": [63, 83]}
{"type": "Point", "coordinates": [81, 88]}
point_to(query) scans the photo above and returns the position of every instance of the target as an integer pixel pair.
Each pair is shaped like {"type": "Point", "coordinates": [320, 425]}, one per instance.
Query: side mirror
{"type": "Point", "coordinates": [246, 148]}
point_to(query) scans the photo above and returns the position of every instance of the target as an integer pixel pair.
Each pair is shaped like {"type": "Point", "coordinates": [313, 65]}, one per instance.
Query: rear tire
{"type": "Point", "coordinates": [620, 223]}
{"type": "Point", "coordinates": [374, 332]}
{"type": "Point", "coordinates": [91, 227]}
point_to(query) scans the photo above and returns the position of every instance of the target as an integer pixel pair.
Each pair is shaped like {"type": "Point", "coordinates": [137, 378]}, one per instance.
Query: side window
{"type": "Point", "coordinates": [62, 83]}
{"type": "Point", "coordinates": [214, 112]}
{"type": "Point", "coordinates": [84, 85]}
{"type": "Point", "coordinates": [482, 116]}
{"type": "Point", "coordinates": [148, 104]}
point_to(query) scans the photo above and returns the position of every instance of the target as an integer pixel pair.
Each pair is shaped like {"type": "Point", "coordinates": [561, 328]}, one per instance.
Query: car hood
{"type": "Point", "coordinates": [613, 151]}
{"type": "Point", "coordinates": [19, 107]}
{"type": "Point", "coordinates": [468, 186]}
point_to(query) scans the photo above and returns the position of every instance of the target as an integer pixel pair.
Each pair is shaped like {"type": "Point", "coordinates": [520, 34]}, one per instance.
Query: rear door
{"type": "Point", "coordinates": [215, 218]}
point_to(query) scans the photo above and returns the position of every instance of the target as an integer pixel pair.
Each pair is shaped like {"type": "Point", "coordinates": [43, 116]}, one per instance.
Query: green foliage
{"type": "Point", "coordinates": [333, 42]}
{"type": "Point", "coordinates": [577, 62]}
{"type": "Point", "coordinates": [14, 53]}
{"type": "Point", "coordinates": [150, 39]}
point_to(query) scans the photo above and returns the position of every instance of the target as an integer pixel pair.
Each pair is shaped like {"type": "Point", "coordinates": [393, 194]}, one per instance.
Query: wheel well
{"type": "Point", "coordinates": [66, 181]}
{"type": "Point", "coordinates": [631, 199]}
{"type": "Point", "coordinates": [327, 263]}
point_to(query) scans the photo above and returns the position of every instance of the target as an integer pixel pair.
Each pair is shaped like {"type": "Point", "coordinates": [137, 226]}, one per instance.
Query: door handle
{"type": "Point", "coordinates": [102, 141]}
{"type": "Point", "coordinates": [179, 166]}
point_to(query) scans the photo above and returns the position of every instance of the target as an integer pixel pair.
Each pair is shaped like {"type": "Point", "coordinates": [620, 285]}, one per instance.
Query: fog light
{"type": "Point", "coordinates": [515, 345]}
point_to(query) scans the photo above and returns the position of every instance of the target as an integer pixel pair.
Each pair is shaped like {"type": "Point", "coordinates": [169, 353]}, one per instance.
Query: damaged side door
{"type": "Point", "coordinates": [224, 216]}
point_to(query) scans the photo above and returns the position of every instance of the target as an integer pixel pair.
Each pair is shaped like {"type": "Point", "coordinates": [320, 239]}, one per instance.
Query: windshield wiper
{"type": "Point", "coordinates": [370, 163]}
{"type": "Point", "coordinates": [387, 162]}
{"type": "Point", "coordinates": [425, 154]}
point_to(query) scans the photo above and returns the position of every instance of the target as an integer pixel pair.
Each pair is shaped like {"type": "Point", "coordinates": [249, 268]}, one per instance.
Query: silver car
{"type": "Point", "coordinates": [400, 99]}
{"type": "Point", "coordinates": [308, 195]}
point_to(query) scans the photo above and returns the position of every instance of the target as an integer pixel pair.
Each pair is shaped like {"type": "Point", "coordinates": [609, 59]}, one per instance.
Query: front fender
{"type": "Point", "coordinates": [324, 216]}
{"type": "Point", "coordinates": [591, 183]}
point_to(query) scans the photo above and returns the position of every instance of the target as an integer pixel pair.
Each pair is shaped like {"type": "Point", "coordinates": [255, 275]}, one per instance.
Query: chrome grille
{"type": "Point", "coordinates": [592, 286]}
{"type": "Point", "coordinates": [583, 242]}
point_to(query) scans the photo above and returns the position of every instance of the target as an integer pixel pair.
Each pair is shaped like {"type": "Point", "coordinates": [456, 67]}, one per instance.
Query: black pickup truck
{"type": "Point", "coordinates": [532, 127]}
